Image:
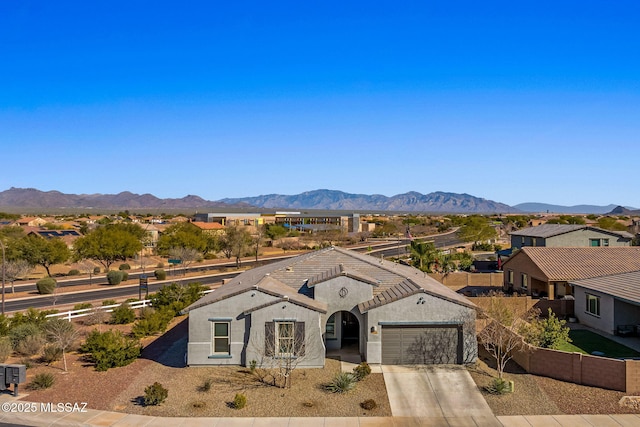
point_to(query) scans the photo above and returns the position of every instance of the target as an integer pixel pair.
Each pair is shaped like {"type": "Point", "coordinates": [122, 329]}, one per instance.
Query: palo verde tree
{"type": "Point", "coordinates": [110, 243]}
{"type": "Point", "coordinates": [44, 252]}
{"type": "Point", "coordinates": [476, 229]}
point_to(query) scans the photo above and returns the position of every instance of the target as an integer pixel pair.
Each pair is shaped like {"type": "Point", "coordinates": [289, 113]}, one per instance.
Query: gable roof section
{"type": "Point", "coordinates": [566, 264]}
{"type": "Point", "coordinates": [624, 286]}
{"type": "Point", "coordinates": [294, 276]}
{"type": "Point", "coordinates": [551, 230]}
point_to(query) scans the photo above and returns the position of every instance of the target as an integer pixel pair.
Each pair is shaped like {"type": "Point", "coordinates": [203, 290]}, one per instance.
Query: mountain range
{"type": "Point", "coordinates": [435, 202]}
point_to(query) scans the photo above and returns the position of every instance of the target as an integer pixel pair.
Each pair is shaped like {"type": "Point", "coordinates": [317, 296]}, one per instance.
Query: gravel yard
{"type": "Point", "coordinates": [121, 389]}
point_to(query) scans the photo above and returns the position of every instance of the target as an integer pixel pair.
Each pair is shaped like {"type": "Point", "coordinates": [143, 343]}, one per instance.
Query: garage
{"type": "Point", "coordinates": [421, 344]}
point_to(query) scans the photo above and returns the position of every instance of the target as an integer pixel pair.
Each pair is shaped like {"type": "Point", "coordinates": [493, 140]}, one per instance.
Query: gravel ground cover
{"type": "Point", "coordinates": [121, 389]}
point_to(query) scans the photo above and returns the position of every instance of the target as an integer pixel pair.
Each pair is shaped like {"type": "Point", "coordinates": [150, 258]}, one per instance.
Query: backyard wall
{"type": "Point", "coordinates": [613, 374]}
{"type": "Point", "coordinates": [461, 279]}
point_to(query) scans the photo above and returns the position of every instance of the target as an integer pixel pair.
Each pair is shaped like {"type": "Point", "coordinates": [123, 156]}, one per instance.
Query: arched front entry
{"type": "Point", "coordinates": [342, 335]}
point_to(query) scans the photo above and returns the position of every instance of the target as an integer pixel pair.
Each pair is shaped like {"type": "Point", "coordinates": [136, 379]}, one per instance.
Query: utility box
{"type": "Point", "coordinates": [3, 383]}
{"type": "Point", "coordinates": [15, 374]}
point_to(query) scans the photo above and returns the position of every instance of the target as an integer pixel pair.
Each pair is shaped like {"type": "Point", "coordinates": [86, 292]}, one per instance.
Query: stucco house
{"type": "Point", "coordinates": [609, 303]}
{"type": "Point", "coordinates": [548, 272]}
{"type": "Point", "coordinates": [332, 299]}
{"type": "Point", "coordinates": [568, 235]}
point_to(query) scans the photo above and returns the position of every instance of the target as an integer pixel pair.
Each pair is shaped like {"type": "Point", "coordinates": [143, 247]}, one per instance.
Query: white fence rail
{"type": "Point", "coordinates": [73, 314]}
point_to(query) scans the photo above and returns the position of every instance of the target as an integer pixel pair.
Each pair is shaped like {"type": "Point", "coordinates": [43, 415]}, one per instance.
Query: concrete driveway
{"type": "Point", "coordinates": [436, 391]}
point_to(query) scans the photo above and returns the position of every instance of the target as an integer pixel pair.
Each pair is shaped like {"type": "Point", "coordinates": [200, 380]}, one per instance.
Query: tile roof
{"type": "Point", "coordinates": [624, 286]}
{"type": "Point", "coordinates": [208, 225]}
{"type": "Point", "coordinates": [391, 281]}
{"type": "Point", "coordinates": [564, 264]}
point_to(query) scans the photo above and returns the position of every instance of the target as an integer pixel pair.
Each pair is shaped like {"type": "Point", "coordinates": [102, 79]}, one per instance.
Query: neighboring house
{"type": "Point", "coordinates": [332, 299]}
{"type": "Point", "coordinates": [31, 222]}
{"type": "Point", "coordinates": [67, 236]}
{"type": "Point", "coordinates": [211, 228]}
{"type": "Point", "coordinates": [546, 272]}
{"type": "Point", "coordinates": [609, 303]}
{"type": "Point", "coordinates": [568, 235]}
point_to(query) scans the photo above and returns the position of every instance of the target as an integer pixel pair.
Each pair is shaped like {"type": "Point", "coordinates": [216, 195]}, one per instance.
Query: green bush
{"type": "Point", "coordinates": [369, 404]}
{"type": "Point", "coordinates": [36, 317]}
{"type": "Point", "coordinates": [152, 322]}
{"type": "Point", "coordinates": [82, 306]}
{"type": "Point", "coordinates": [155, 394]}
{"type": "Point", "coordinates": [111, 349]}
{"type": "Point", "coordinates": [499, 386]}
{"type": "Point", "coordinates": [96, 270]}
{"type": "Point", "coordinates": [20, 333]}
{"type": "Point", "coordinates": [73, 272]}
{"type": "Point", "coordinates": [342, 382]}
{"type": "Point", "coordinates": [239, 401]}
{"type": "Point", "coordinates": [5, 349]}
{"type": "Point", "coordinates": [122, 315]}
{"type": "Point", "coordinates": [46, 285]}
{"type": "Point", "coordinates": [125, 276]}
{"type": "Point", "coordinates": [114, 277]}
{"type": "Point", "coordinates": [177, 296]}
{"type": "Point", "coordinates": [124, 267]}
{"type": "Point", "coordinates": [51, 353]}
{"type": "Point", "coordinates": [160, 274]}
{"type": "Point", "coordinates": [30, 345]}
{"type": "Point", "coordinates": [41, 381]}
{"type": "Point", "coordinates": [109, 302]}
{"type": "Point", "coordinates": [361, 371]}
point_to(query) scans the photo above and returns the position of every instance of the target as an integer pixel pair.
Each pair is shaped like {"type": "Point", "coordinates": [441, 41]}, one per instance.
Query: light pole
{"type": "Point", "coordinates": [4, 270]}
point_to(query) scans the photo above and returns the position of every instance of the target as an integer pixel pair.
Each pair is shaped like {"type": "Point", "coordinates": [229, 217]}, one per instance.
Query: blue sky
{"type": "Point", "coordinates": [510, 101]}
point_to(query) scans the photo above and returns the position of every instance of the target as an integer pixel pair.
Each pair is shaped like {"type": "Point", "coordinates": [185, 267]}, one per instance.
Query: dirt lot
{"type": "Point", "coordinates": [121, 389]}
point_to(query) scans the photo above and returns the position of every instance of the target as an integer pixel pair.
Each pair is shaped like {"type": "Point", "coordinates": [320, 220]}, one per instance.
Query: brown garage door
{"type": "Point", "coordinates": [421, 345]}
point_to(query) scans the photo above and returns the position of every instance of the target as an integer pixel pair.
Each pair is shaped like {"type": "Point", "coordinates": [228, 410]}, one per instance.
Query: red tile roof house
{"type": "Point", "coordinates": [548, 272]}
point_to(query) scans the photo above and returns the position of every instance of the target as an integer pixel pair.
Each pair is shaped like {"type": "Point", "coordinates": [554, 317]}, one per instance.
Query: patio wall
{"type": "Point", "coordinates": [461, 279]}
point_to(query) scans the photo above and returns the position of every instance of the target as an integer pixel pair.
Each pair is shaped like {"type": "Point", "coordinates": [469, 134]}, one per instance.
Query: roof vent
{"type": "Point", "coordinates": [289, 268]}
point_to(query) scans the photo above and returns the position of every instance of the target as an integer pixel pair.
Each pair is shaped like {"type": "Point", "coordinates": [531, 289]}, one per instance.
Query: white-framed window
{"type": "Point", "coordinates": [605, 242]}
{"type": "Point", "coordinates": [285, 338]}
{"type": "Point", "coordinates": [510, 277]}
{"type": "Point", "coordinates": [593, 305]}
{"type": "Point", "coordinates": [524, 281]}
{"type": "Point", "coordinates": [221, 338]}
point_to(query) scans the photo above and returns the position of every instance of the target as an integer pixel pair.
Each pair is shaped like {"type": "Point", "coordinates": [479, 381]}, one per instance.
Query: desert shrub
{"type": "Point", "coordinates": [30, 345]}
{"type": "Point", "coordinates": [206, 385]}
{"type": "Point", "coordinates": [176, 296]}
{"type": "Point", "coordinates": [31, 315]}
{"type": "Point", "coordinates": [95, 317]}
{"type": "Point", "coordinates": [5, 349]}
{"type": "Point", "coordinates": [239, 401]}
{"type": "Point", "coordinates": [198, 404]}
{"type": "Point", "coordinates": [82, 306]}
{"type": "Point", "coordinates": [122, 315]}
{"type": "Point", "coordinates": [114, 277]}
{"type": "Point", "coordinates": [110, 349]}
{"type": "Point", "coordinates": [124, 267]}
{"type": "Point", "coordinates": [253, 365]}
{"type": "Point", "coordinates": [342, 382]}
{"type": "Point", "coordinates": [26, 362]}
{"type": "Point", "coordinates": [46, 285]}
{"type": "Point", "coordinates": [160, 274]}
{"type": "Point", "coordinates": [369, 404]}
{"type": "Point", "coordinates": [109, 302]}
{"type": "Point", "coordinates": [160, 265]}
{"type": "Point", "coordinates": [96, 270]}
{"type": "Point", "coordinates": [499, 386]}
{"type": "Point", "coordinates": [361, 371]}
{"type": "Point", "coordinates": [41, 381]}
{"type": "Point", "coordinates": [152, 322]}
{"type": "Point", "coordinates": [73, 272]}
{"type": "Point", "coordinates": [155, 394]}
{"type": "Point", "coordinates": [20, 332]}
{"type": "Point", "coordinates": [51, 353]}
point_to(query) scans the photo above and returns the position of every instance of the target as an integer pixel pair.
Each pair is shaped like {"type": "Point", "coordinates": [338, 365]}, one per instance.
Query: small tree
{"type": "Point", "coordinates": [16, 269]}
{"type": "Point", "coordinates": [46, 285]}
{"type": "Point", "coordinates": [546, 333]}
{"type": "Point", "coordinates": [155, 394]}
{"type": "Point", "coordinates": [499, 333]}
{"type": "Point", "coordinates": [62, 334]}
{"type": "Point", "coordinates": [115, 277]}
{"type": "Point", "coordinates": [111, 349]}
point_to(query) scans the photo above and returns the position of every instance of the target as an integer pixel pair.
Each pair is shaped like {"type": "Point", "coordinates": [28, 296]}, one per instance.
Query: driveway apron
{"type": "Point", "coordinates": [433, 391]}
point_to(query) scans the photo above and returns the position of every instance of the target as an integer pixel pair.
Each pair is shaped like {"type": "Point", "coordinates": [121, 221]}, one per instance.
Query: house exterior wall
{"type": "Point", "coordinates": [519, 264]}
{"type": "Point", "coordinates": [582, 238]}
{"type": "Point", "coordinates": [410, 311]}
{"type": "Point", "coordinates": [605, 322]}
{"type": "Point", "coordinates": [199, 350]}
{"type": "Point", "coordinates": [314, 344]}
